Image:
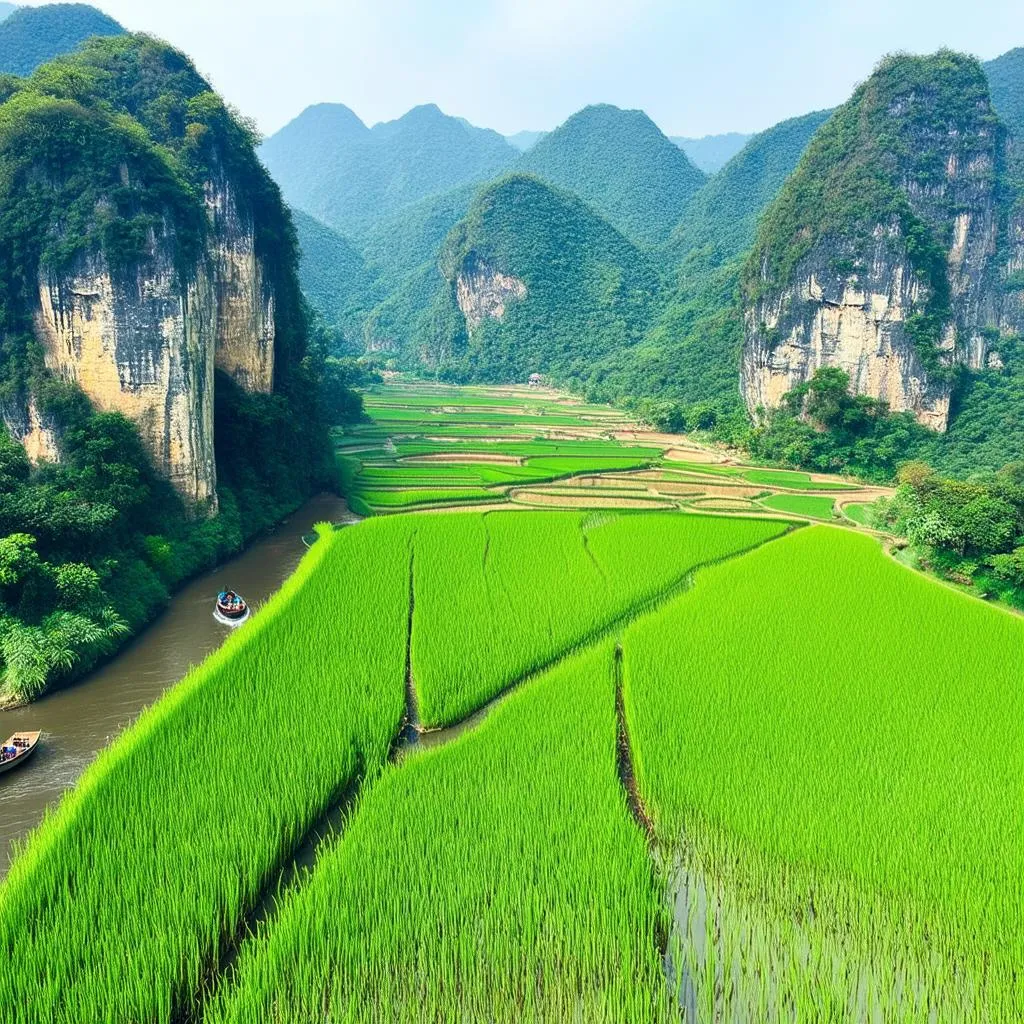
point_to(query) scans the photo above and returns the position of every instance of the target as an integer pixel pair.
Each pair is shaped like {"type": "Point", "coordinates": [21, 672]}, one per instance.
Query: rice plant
{"type": "Point", "coordinates": [833, 748]}
{"type": "Point", "coordinates": [500, 595]}
{"type": "Point", "coordinates": [123, 898]}
{"type": "Point", "coordinates": [499, 878]}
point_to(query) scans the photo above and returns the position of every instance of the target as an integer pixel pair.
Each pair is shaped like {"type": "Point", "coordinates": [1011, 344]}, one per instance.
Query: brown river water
{"type": "Point", "coordinates": [78, 721]}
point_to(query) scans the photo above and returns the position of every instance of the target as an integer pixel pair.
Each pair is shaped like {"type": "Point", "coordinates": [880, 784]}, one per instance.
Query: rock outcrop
{"type": "Point", "coordinates": [900, 279]}
{"type": "Point", "coordinates": [141, 344]}
{"type": "Point", "coordinates": [483, 292]}
{"type": "Point", "coordinates": [245, 300]}
{"type": "Point", "coordinates": [32, 428]}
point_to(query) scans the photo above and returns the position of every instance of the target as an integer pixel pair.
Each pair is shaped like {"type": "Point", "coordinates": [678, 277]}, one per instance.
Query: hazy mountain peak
{"type": "Point", "coordinates": [30, 36]}
{"type": "Point", "coordinates": [621, 163]}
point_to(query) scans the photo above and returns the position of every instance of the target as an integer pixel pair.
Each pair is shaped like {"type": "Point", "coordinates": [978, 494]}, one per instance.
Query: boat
{"type": "Point", "coordinates": [17, 749]}
{"type": "Point", "coordinates": [231, 608]}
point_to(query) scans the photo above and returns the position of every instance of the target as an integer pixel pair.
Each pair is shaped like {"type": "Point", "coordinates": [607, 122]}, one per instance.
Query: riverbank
{"type": "Point", "coordinates": [79, 720]}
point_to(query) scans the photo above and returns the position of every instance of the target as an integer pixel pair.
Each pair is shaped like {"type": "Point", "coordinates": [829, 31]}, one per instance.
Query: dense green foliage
{"type": "Point", "coordinates": [185, 819]}
{"type": "Point", "coordinates": [351, 177]}
{"type": "Point", "coordinates": [619, 163]}
{"type": "Point", "coordinates": [335, 278]}
{"type": "Point", "coordinates": [804, 771]}
{"type": "Point", "coordinates": [30, 36]}
{"type": "Point", "coordinates": [1006, 84]}
{"type": "Point", "coordinates": [821, 425]}
{"type": "Point", "coordinates": [720, 221]}
{"type": "Point", "coordinates": [971, 533]}
{"type": "Point", "coordinates": [589, 291]}
{"type": "Point", "coordinates": [710, 153]}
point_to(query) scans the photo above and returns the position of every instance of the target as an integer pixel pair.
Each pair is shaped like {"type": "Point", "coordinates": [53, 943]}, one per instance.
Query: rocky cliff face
{"type": "Point", "coordinates": [36, 432]}
{"type": "Point", "coordinates": [483, 292]}
{"type": "Point", "coordinates": [898, 300]}
{"type": "Point", "coordinates": [142, 344]}
{"type": "Point", "coordinates": [245, 300]}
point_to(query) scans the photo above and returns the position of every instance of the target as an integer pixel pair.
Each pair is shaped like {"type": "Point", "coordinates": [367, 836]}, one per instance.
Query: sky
{"type": "Point", "coordinates": [695, 68]}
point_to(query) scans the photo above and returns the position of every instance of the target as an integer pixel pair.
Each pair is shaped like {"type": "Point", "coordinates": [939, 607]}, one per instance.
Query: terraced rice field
{"type": "Point", "coordinates": [590, 764]}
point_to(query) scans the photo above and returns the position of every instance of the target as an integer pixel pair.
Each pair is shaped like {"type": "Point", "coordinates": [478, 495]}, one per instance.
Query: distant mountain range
{"type": "Point", "coordinates": [350, 177]}
{"type": "Point", "coordinates": [6, 10]}
{"type": "Point", "coordinates": [30, 36]}
{"type": "Point", "coordinates": [712, 152]}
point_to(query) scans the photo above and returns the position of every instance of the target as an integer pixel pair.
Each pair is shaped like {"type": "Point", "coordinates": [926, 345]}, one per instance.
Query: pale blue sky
{"type": "Point", "coordinates": [696, 68]}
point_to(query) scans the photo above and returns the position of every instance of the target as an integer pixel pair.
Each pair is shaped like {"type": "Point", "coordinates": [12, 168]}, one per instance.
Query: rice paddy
{"type": "Point", "coordinates": [696, 761]}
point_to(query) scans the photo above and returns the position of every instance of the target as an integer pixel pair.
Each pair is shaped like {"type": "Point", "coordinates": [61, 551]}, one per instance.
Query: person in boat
{"type": "Point", "coordinates": [7, 753]}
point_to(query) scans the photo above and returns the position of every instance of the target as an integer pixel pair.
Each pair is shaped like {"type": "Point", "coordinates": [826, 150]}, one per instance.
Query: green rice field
{"type": "Point", "coordinates": [698, 755]}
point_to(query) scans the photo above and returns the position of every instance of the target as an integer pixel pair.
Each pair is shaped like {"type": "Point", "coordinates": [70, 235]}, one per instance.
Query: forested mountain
{"type": "Point", "coordinates": [1006, 84]}
{"type": "Point", "coordinates": [334, 277]}
{"type": "Point", "coordinates": [535, 281]}
{"type": "Point", "coordinates": [620, 163]}
{"type": "Point", "coordinates": [720, 221]}
{"type": "Point", "coordinates": [350, 177]}
{"type": "Point", "coordinates": [412, 237]}
{"type": "Point", "coordinates": [33, 35]}
{"type": "Point", "coordinates": [710, 153]}
{"type": "Point", "coordinates": [890, 255]}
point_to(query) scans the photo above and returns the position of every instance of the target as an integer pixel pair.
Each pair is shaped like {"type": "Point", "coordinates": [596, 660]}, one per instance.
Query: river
{"type": "Point", "coordinates": [79, 720]}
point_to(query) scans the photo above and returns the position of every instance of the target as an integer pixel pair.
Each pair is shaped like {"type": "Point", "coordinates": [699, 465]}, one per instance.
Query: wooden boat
{"type": "Point", "coordinates": [24, 743]}
{"type": "Point", "coordinates": [231, 608]}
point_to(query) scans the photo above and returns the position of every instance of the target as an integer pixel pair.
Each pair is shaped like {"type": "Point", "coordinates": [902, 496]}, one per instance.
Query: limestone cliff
{"type": "Point", "coordinates": [882, 256]}
{"type": "Point", "coordinates": [245, 298]}
{"type": "Point", "coordinates": [483, 293]}
{"type": "Point", "coordinates": [141, 343]}
{"type": "Point", "coordinates": [150, 247]}
{"type": "Point", "coordinates": [27, 424]}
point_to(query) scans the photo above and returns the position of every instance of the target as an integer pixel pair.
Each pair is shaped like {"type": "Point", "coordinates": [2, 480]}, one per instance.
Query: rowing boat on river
{"type": "Point", "coordinates": [17, 749]}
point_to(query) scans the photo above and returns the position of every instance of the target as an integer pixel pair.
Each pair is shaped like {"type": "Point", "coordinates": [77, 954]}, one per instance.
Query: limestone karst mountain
{"type": "Point", "coordinates": [152, 250]}
{"type": "Point", "coordinates": [620, 163]}
{"type": "Point", "coordinates": [889, 253]}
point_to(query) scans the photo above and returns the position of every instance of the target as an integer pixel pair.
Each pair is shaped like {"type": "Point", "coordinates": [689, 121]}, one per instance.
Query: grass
{"type": "Point", "coordinates": [794, 479]}
{"type": "Point", "coordinates": [827, 752]}
{"type": "Point", "coordinates": [860, 514]}
{"type": "Point", "coordinates": [498, 878]}
{"type": "Point", "coordinates": [123, 896]}
{"type": "Point", "coordinates": [411, 497]}
{"type": "Point", "coordinates": [801, 505]}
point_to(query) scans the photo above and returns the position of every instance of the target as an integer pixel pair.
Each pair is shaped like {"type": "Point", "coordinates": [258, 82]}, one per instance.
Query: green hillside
{"type": "Point", "coordinates": [619, 162]}
{"type": "Point", "coordinates": [350, 177]}
{"type": "Point", "coordinates": [710, 153]}
{"type": "Point", "coordinates": [721, 220]}
{"type": "Point", "coordinates": [30, 36]}
{"type": "Point", "coordinates": [412, 237]}
{"type": "Point", "coordinates": [1006, 84]}
{"type": "Point", "coordinates": [334, 276]}
{"type": "Point", "coordinates": [589, 291]}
